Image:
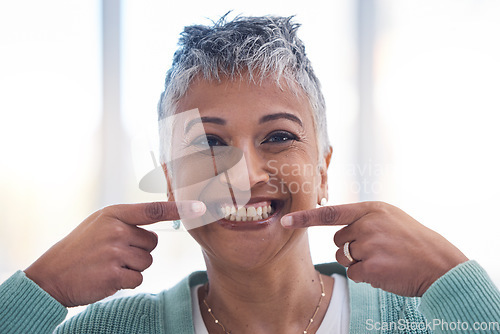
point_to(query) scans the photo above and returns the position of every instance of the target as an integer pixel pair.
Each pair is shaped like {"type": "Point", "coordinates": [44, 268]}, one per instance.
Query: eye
{"type": "Point", "coordinates": [208, 141]}
{"type": "Point", "coordinates": [279, 137]}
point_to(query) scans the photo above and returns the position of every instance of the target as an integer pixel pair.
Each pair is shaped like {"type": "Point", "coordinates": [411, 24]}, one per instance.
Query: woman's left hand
{"type": "Point", "coordinates": [391, 250]}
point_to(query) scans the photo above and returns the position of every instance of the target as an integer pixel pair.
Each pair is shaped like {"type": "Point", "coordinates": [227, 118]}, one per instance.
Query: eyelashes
{"type": "Point", "coordinates": [274, 138]}
{"type": "Point", "coordinates": [280, 137]}
{"type": "Point", "coordinates": [208, 141]}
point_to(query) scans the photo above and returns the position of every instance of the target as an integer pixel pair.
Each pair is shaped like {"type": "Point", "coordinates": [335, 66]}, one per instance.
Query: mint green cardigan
{"type": "Point", "coordinates": [464, 294]}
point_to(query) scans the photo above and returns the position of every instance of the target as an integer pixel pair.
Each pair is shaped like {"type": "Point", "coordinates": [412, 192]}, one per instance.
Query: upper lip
{"type": "Point", "coordinates": [259, 199]}
{"type": "Point", "coordinates": [252, 200]}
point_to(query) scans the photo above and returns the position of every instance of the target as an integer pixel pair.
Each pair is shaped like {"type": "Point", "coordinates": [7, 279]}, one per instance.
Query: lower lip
{"type": "Point", "coordinates": [249, 224]}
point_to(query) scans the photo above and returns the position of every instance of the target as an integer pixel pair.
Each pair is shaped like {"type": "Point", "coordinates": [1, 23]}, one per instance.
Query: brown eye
{"type": "Point", "coordinates": [208, 141]}
{"type": "Point", "coordinates": [279, 137]}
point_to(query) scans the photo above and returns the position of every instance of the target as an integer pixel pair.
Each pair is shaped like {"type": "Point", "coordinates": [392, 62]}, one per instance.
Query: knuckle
{"type": "Point", "coordinates": [106, 218]}
{"type": "Point", "coordinates": [99, 214]}
{"type": "Point", "coordinates": [303, 219]}
{"type": "Point", "coordinates": [379, 206]}
{"type": "Point", "coordinates": [115, 273]}
{"type": "Point", "coordinates": [115, 253]}
{"type": "Point", "coordinates": [114, 232]}
{"type": "Point", "coordinates": [118, 230]}
{"type": "Point", "coordinates": [155, 210]}
{"type": "Point", "coordinates": [108, 210]}
{"type": "Point", "coordinates": [328, 214]}
{"type": "Point", "coordinates": [101, 218]}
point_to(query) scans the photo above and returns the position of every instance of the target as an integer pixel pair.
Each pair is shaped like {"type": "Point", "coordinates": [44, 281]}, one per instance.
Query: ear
{"type": "Point", "coordinates": [170, 193]}
{"type": "Point", "coordinates": [323, 172]}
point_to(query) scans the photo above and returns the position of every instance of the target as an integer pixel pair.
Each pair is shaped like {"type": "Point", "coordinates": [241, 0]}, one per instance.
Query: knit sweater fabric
{"type": "Point", "coordinates": [463, 297]}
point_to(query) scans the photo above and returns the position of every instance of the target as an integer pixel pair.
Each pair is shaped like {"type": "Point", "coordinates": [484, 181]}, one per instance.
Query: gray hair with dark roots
{"type": "Point", "coordinates": [261, 47]}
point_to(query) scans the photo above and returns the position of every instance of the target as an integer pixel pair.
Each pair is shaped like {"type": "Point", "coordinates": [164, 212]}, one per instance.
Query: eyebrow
{"type": "Point", "coordinates": [215, 120]}
{"type": "Point", "coordinates": [263, 119]}
{"type": "Point", "coordinates": [280, 115]}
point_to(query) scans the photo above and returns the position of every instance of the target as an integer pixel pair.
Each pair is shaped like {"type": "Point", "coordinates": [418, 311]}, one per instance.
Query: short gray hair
{"type": "Point", "coordinates": [262, 47]}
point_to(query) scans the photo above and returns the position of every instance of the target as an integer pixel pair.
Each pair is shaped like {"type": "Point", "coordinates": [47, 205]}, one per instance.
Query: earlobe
{"type": "Point", "coordinates": [328, 156]}
{"type": "Point", "coordinates": [170, 193]}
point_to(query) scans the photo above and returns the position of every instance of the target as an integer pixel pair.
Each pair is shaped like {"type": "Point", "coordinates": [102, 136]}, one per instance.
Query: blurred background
{"type": "Point", "coordinates": [412, 91]}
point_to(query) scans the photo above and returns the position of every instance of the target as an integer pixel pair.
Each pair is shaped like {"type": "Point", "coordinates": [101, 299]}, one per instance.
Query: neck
{"type": "Point", "coordinates": [276, 297]}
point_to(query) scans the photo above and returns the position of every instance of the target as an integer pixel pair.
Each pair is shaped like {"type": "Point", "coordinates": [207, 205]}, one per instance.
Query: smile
{"type": "Point", "coordinates": [250, 212]}
{"type": "Point", "coordinates": [257, 215]}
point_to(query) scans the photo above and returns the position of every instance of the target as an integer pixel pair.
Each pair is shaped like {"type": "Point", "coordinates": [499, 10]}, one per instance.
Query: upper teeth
{"type": "Point", "coordinates": [244, 214]}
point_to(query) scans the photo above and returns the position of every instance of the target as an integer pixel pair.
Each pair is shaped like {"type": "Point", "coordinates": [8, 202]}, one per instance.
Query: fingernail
{"type": "Point", "coordinates": [198, 207]}
{"type": "Point", "coordinates": [287, 221]}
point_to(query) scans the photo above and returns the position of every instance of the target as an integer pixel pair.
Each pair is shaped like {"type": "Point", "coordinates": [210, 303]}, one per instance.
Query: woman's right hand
{"type": "Point", "coordinates": [106, 252]}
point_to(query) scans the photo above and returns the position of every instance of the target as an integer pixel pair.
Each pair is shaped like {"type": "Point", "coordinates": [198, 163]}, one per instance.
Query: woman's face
{"type": "Point", "coordinates": [274, 129]}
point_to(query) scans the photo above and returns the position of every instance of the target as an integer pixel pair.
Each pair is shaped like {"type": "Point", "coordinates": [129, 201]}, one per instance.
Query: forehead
{"type": "Point", "coordinates": [242, 97]}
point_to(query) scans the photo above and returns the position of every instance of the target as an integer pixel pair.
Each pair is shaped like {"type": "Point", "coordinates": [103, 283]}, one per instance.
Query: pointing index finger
{"type": "Point", "coordinates": [344, 214]}
{"type": "Point", "coordinates": [149, 213]}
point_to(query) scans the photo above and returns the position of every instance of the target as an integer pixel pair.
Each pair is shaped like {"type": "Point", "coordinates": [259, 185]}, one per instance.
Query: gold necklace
{"type": "Point", "coordinates": [305, 330]}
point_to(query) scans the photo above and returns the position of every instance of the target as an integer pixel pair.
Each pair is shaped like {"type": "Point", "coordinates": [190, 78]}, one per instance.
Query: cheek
{"type": "Point", "coordinates": [299, 181]}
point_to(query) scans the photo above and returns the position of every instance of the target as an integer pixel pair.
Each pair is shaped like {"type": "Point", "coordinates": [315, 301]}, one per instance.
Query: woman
{"type": "Point", "coordinates": [253, 90]}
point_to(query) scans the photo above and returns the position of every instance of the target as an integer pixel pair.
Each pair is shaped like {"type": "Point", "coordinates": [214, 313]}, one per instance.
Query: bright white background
{"type": "Point", "coordinates": [435, 113]}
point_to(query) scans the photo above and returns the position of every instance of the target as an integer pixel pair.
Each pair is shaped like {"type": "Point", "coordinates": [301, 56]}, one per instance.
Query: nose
{"type": "Point", "coordinates": [257, 172]}
{"type": "Point", "coordinates": [248, 172]}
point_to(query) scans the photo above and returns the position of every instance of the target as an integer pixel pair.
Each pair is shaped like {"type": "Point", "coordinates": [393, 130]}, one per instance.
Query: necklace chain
{"type": "Point", "coordinates": [305, 330]}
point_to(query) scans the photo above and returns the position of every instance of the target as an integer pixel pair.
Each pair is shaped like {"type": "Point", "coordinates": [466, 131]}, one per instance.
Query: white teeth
{"type": "Point", "coordinates": [251, 212]}
{"type": "Point", "coordinates": [242, 212]}
{"type": "Point", "coordinates": [246, 214]}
